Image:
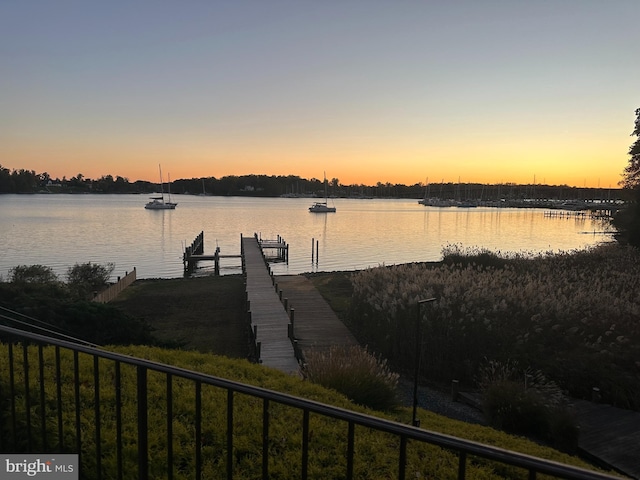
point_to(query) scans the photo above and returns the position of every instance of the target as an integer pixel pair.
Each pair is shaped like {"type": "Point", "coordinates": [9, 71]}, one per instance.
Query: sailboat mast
{"type": "Point", "coordinates": [161, 183]}
{"type": "Point", "coordinates": [326, 201]}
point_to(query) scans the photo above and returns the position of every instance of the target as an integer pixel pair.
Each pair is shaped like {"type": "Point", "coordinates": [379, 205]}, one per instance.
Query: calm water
{"type": "Point", "coordinates": [61, 230]}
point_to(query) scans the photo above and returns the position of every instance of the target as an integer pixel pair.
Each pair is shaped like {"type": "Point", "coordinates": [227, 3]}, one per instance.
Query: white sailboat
{"type": "Point", "coordinates": [158, 203]}
{"type": "Point", "coordinates": [322, 207]}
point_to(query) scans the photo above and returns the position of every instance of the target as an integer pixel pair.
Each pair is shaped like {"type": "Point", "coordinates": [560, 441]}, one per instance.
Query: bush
{"type": "Point", "coordinates": [32, 274]}
{"type": "Point", "coordinates": [354, 372]}
{"type": "Point", "coordinates": [527, 403]}
{"type": "Point", "coordinates": [86, 278]}
{"type": "Point", "coordinates": [509, 407]}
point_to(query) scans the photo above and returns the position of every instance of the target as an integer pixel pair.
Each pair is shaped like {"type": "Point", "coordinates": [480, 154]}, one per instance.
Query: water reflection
{"type": "Point", "coordinates": [61, 230]}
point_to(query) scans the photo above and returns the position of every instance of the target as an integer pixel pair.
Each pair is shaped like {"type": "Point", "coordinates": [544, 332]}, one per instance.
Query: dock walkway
{"type": "Point", "coordinates": [268, 316]}
{"type": "Point", "coordinates": [610, 435]}
{"type": "Point", "coordinates": [315, 323]}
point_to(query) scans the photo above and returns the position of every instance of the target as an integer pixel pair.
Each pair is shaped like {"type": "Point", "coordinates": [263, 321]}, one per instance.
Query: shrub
{"type": "Point", "coordinates": [85, 278]}
{"type": "Point", "coordinates": [509, 407]}
{"type": "Point", "coordinates": [354, 372]}
{"type": "Point", "coordinates": [32, 274]}
{"type": "Point", "coordinates": [527, 403]}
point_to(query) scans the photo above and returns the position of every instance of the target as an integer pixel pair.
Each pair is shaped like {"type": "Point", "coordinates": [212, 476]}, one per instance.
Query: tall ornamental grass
{"type": "Point", "coordinates": [359, 375]}
{"type": "Point", "coordinates": [574, 316]}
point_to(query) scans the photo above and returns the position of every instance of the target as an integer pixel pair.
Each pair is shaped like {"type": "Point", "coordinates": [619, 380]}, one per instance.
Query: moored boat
{"type": "Point", "coordinates": [159, 203]}
{"type": "Point", "coordinates": [322, 207]}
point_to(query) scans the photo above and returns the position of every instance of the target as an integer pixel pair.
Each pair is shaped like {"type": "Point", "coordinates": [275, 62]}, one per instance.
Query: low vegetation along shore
{"type": "Point", "coordinates": [527, 332]}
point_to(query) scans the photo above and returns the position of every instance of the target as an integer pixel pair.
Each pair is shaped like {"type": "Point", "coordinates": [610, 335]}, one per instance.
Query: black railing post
{"type": "Point", "coordinates": [76, 393]}
{"type": "Point", "coordinates": [350, 450]}
{"type": "Point", "coordinates": [12, 394]}
{"type": "Point", "coordinates": [169, 426]}
{"type": "Point", "coordinates": [96, 411]}
{"type": "Point", "coordinates": [265, 438]}
{"type": "Point", "coordinates": [198, 425]}
{"type": "Point", "coordinates": [118, 386]}
{"type": "Point", "coordinates": [43, 413]}
{"type": "Point", "coordinates": [402, 458]}
{"type": "Point", "coordinates": [305, 444]}
{"type": "Point", "coordinates": [27, 396]}
{"type": "Point", "coordinates": [462, 465]}
{"type": "Point", "coordinates": [143, 440]}
{"type": "Point", "coordinates": [59, 400]}
{"type": "Point", "coordinates": [229, 434]}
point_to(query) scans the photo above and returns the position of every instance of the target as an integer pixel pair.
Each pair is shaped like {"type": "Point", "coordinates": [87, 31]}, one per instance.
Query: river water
{"type": "Point", "coordinates": [61, 230]}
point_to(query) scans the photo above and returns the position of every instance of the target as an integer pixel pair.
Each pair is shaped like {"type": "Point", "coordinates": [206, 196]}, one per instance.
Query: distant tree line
{"type": "Point", "coordinates": [28, 181]}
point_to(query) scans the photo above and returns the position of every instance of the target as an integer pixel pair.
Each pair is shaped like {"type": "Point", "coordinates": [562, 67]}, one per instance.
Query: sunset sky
{"type": "Point", "coordinates": [393, 91]}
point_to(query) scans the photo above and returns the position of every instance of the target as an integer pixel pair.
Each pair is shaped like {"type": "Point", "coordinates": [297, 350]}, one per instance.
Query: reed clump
{"type": "Point", "coordinates": [573, 315]}
{"type": "Point", "coordinates": [526, 402]}
{"type": "Point", "coordinates": [362, 377]}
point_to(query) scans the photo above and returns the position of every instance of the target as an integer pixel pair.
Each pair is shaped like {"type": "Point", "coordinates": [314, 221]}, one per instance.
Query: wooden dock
{"type": "Point", "coordinates": [194, 253]}
{"type": "Point", "coordinates": [610, 436]}
{"type": "Point", "coordinates": [315, 324]}
{"type": "Point", "coordinates": [566, 214]}
{"type": "Point", "coordinates": [274, 250]}
{"type": "Point", "coordinates": [269, 319]}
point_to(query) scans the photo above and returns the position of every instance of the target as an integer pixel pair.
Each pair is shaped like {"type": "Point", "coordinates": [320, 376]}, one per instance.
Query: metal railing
{"type": "Point", "coordinates": [32, 389]}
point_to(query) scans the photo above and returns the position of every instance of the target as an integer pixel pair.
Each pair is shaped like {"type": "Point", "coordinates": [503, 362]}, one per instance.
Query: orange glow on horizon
{"type": "Point", "coordinates": [516, 163]}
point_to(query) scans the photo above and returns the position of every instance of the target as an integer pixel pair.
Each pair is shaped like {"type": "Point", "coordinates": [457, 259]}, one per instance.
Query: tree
{"type": "Point", "coordinates": [627, 220]}
{"type": "Point", "coordinates": [32, 274]}
{"type": "Point", "coordinates": [632, 171]}
{"type": "Point", "coordinates": [85, 278]}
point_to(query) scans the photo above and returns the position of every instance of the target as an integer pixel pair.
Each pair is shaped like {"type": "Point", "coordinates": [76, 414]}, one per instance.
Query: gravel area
{"type": "Point", "coordinates": [439, 402]}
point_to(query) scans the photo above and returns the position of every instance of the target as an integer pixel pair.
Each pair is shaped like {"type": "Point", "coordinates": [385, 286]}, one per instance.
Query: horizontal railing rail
{"type": "Point", "coordinates": [42, 429]}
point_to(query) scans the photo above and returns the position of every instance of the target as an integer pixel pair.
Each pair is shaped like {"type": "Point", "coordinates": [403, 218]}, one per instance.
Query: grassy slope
{"type": "Point", "coordinates": [274, 380]}
{"type": "Point", "coordinates": [203, 314]}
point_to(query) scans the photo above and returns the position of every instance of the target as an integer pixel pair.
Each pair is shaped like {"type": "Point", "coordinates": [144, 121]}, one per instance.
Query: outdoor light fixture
{"type": "Point", "coordinates": [416, 422]}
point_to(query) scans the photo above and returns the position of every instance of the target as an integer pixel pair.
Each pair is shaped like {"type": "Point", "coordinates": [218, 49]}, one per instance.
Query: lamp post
{"type": "Point", "coordinates": [416, 422]}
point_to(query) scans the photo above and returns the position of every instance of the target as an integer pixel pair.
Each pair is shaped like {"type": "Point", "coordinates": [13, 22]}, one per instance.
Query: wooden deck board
{"type": "Point", "coordinates": [315, 323]}
{"type": "Point", "coordinates": [611, 435]}
{"type": "Point", "coordinates": [267, 312]}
